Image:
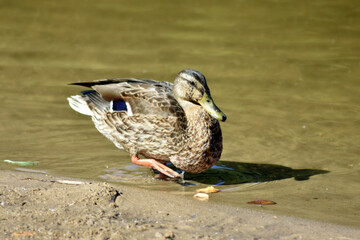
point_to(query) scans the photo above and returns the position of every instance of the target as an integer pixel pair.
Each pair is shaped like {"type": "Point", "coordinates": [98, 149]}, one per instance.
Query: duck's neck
{"type": "Point", "coordinates": [197, 118]}
{"type": "Point", "coordinates": [190, 108]}
{"type": "Point", "coordinates": [201, 145]}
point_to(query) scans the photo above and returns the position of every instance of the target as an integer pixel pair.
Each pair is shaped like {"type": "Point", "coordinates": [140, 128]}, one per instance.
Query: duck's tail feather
{"type": "Point", "coordinates": [85, 104]}
{"type": "Point", "coordinates": [79, 104]}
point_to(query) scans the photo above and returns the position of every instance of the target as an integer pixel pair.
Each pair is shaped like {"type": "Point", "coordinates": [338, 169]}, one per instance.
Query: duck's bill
{"type": "Point", "coordinates": [208, 104]}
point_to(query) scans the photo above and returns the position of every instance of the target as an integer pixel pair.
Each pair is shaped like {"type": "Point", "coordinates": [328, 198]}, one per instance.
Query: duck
{"type": "Point", "coordinates": [157, 122]}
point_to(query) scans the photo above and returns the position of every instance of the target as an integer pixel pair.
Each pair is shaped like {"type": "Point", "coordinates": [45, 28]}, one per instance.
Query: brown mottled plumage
{"type": "Point", "coordinates": [162, 121]}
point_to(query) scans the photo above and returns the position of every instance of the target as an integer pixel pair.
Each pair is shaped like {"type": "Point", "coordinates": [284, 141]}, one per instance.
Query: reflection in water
{"type": "Point", "coordinates": [126, 174]}
{"type": "Point", "coordinates": [226, 173]}
{"type": "Point", "coordinates": [223, 173]}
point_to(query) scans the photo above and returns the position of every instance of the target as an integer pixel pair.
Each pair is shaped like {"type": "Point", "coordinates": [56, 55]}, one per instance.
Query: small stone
{"type": "Point", "coordinates": [201, 196]}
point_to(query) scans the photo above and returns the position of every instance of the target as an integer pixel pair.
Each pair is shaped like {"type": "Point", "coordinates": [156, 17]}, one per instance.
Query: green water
{"type": "Point", "coordinates": [285, 73]}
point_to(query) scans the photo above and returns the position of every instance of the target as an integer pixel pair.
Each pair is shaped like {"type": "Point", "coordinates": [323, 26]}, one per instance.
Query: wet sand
{"type": "Point", "coordinates": [38, 206]}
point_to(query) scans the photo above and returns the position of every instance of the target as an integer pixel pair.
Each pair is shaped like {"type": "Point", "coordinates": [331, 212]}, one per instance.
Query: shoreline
{"type": "Point", "coordinates": [46, 207]}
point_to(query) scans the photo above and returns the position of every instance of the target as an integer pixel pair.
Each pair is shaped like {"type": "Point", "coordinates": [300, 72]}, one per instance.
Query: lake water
{"type": "Point", "coordinates": [285, 73]}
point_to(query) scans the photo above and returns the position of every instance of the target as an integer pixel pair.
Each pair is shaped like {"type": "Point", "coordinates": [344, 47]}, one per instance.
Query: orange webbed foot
{"type": "Point", "coordinates": [152, 163]}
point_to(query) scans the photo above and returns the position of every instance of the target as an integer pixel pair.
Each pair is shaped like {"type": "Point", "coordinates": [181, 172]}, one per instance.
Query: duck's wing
{"type": "Point", "coordinates": [142, 116]}
{"type": "Point", "coordinates": [143, 96]}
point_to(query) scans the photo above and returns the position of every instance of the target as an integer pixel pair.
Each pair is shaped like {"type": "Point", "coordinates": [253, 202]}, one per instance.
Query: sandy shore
{"type": "Point", "coordinates": [38, 206]}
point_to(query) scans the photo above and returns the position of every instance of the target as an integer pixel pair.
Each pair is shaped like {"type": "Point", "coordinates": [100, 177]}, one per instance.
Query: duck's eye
{"type": "Point", "coordinates": [192, 83]}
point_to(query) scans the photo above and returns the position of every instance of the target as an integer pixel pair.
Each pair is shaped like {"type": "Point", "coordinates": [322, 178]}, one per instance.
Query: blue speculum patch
{"type": "Point", "coordinates": [119, 106]}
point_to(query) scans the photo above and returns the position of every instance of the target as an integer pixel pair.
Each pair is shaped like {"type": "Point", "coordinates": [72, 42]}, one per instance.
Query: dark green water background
{"type": "Point", "coordinates": [286, 73]}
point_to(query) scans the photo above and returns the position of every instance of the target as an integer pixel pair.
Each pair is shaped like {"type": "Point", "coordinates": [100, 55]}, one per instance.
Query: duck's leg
{"type": "Point", "coordinates": [152, 163]}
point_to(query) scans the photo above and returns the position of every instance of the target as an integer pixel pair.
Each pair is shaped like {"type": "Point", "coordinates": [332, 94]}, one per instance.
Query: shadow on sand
{"type": "Point", "coordinates": [226, 173]}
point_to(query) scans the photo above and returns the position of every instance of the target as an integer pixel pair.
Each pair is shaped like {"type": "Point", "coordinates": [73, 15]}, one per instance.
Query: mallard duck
{"type": "Point", "coordinates": [160, 121]}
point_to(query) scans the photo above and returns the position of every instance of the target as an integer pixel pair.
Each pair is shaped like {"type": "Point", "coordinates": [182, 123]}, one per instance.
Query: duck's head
{"type": "Point", "coordinates": [190, 86]}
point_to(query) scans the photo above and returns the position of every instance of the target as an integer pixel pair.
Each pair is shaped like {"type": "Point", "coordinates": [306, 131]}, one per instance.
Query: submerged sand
{"type": "Point", "coordinates": [38, 206]}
